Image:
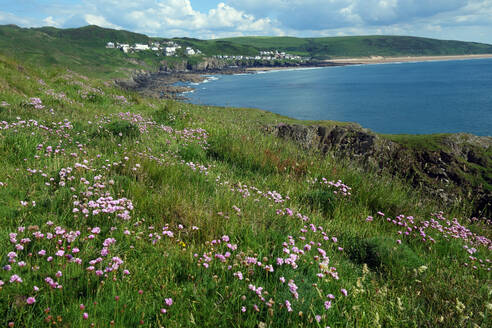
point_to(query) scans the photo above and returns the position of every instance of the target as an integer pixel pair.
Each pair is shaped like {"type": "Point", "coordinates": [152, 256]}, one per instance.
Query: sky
{"type": "Point", "coordinates": [466, 20]}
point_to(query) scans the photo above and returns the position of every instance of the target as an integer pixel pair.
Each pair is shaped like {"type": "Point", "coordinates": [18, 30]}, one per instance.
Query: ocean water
{"type": "Point", "coordinates": [410, 98]}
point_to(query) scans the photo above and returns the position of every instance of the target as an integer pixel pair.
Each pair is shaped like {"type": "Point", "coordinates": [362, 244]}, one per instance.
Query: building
{"type": "Point", "coordinates": [170, 51]}
{"type": "Point", "coordinates": [110, 45]}
{"type": "Point", "coordinates": [139, 46]}
{"type": "Point", "coordinates": [190, 51]}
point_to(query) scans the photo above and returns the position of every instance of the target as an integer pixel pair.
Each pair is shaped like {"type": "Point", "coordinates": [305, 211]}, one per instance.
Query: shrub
{"type": "Point", "coordinates": [123, 129]}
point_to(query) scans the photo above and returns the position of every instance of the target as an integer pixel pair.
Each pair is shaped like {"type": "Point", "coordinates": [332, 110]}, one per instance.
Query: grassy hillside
{"type": "Point", "coordinates": [361, 46]}
{"type": "Point", "coordinates": [83, 49]}
{"type": "Point", "coordinates": [124, 211]}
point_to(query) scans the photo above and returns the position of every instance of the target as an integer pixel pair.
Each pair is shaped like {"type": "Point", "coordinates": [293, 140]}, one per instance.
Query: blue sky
{"type": "Point", "coordinates": [468, 20]}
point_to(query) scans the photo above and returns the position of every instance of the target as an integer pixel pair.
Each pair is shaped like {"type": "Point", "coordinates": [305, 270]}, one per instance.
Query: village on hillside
{"type": "Point", "coordinates": [169, 48]}
{"type": "Point", "coordinates": [173, 49]}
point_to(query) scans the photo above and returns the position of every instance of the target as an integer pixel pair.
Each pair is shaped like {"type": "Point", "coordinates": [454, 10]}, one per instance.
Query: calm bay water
{"type": "Point", "coordinates": [414, 98]}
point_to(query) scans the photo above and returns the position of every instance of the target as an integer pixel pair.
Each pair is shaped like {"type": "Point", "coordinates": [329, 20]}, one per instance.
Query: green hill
{"type": "Point", "coordinates": [83, 49]}
{"type": "Point", "coordinates": [362, 46]}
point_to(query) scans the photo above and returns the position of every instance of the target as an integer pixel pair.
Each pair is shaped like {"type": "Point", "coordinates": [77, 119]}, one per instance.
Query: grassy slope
{"type": "Point", "coordinates": [361, 46]}
{"type": "Point", "coordinates": [80, 49]}
{"type": "Point", "coordinates": [156, 157]}
{"type": "Point", "coordinates": [83, 49]}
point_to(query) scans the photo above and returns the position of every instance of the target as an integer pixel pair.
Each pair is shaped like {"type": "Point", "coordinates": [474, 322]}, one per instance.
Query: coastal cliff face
{"type": "Point", "coordinates": [215, 65]}
{"type": "Point", "coordinates": [460, 168]}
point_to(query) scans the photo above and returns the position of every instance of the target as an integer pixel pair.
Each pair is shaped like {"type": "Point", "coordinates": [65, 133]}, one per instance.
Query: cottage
{"type": "Point", "coordinates": [124, 47]}
{"type": "Point", "coordinates": [139, 46]}
{"type": "Point", "coordinates": [190, 51]}
{"type": "Point", "coordinates": [110, 45]}
{"type": "Point", "coordinates": [170, 51]}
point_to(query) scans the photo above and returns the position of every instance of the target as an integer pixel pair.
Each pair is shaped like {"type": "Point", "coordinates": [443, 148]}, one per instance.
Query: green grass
{"type": "Point", "coordinates": [184, 166]}
{"type": "Point", "coordinates": [363, 46]}
{"type": "Point", "coordinates": [83, 49]}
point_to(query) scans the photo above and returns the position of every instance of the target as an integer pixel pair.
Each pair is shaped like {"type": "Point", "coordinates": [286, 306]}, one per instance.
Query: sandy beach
{"type": "Point", "coordinates": [371, 60]}
{"type": "Point", "coordinates": [381, 60]}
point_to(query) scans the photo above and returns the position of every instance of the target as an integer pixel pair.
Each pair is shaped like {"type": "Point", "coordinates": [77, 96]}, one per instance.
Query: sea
{"type": "Point", "coordinates": [391, 98]}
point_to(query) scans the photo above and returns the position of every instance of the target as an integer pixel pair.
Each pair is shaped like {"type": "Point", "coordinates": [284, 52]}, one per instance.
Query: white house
{"type": "Point", "coordinates": [125, 47]}
{"type": "Point", "coordinates": [110, 45]}
{"type": "Point", "coordinates": [190, 51]}
{"type": "Point", "coordinates": [139, 46]}
{"type": "Point", "coordinates": [170, 51]}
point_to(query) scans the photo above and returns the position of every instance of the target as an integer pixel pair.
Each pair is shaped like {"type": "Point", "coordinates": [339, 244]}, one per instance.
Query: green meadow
{"type": "Point", "coordinates": [119, 210]}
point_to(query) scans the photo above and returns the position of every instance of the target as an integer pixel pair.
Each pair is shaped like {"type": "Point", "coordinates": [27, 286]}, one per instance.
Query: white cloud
{"type": "Point", "coordinates": [449, 19]}
{"type": "Point", "coordinates": [100, 21]}
{"type": "Point", "coordinates": [49, 21]}
{"type": "Point", "coordinates": [177, 16]}
{"type": "Point", "coordinates": [8, 18]}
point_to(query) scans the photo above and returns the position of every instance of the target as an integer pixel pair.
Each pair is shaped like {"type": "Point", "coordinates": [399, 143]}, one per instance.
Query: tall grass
{"type": "Point", "coordinates": [202, 219]}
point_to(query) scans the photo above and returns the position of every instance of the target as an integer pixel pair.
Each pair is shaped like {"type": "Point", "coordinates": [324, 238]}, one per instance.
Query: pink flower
{"type": "Point", "coordinates": [163, 311]}
{"type": "Point", "coordinates": [327, 305]}
{"type": "Point", "coordinates": [81, 306]}
{"type": "Point", "coordinates": [169, 301]}
{"type": "Point", "coordinates": [344, 291]}
{"type": "Point", "coordinates": [85, 316]}
{"type": "Point", "coordinates": [15, 278]}
{"type": "Point", "coordinates": [30, 300]}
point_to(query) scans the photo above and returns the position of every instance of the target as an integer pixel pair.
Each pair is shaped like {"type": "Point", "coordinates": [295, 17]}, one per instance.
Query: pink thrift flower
{"type": "Point", "coordinates": [169, 301]}
{"type": "Point", "coordinates": [30, 300]}
{"type": "Point", "coordinates": [327, 305]}
{"type": "Point", "coordinates": [85, 316]}
{"type": "Point", "coordinates": [344, 291]}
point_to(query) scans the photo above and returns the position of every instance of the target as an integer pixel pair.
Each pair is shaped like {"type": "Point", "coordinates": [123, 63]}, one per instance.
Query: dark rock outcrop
{"type": "Point", "coordinates": [458, 169]}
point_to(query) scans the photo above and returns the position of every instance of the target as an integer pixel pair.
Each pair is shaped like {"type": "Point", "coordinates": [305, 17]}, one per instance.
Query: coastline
{"type": "Point", "coordinates": [162, 84]}
{"type": "Point", "coordinates": [408, 59]}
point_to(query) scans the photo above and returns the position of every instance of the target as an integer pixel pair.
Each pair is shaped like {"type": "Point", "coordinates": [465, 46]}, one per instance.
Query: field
{"type": "Point", "coordinates": [124, 211]}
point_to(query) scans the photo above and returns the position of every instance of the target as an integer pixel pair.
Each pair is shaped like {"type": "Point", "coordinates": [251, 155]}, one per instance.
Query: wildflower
{"type": "Point", "coordinates": [163, 310]}
{"type": "Point", "coordinates": [288, 306]}
{"type": "Point", "coordinates": [169, 301]}
{"type": "Point", "coordinates": [30, 300]}
{"type": "Point", "coordinates": [327, 305]}
{"type": "Point", "coordinates": [243, 309]}
{"type": "Point", "coordinates": [344, 291]}
{"type": "Point", "coordinates": [15, 278]}
{"type": "Point", "coordinates": [85, 316]}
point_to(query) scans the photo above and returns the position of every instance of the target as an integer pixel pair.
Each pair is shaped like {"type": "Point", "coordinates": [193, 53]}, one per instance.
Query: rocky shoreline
{"type": "Point", "coordinates": [162, 83]}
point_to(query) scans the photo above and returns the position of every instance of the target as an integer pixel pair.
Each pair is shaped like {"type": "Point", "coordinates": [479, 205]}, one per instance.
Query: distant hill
{"type": "Point", "coordinates": [363, 46]}
{"type": "Point", "coordinates": [83, 49]}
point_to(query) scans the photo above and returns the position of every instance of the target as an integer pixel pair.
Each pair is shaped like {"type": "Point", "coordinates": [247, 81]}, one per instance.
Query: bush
{"type": "Point", "coordinates": [383, 254]}
{"type": "Point", "coordinates": [123, 129]}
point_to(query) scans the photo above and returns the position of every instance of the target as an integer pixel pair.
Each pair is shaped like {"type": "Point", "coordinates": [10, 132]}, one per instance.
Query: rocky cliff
{"type": "Point", "coordinates": [459, 168]}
